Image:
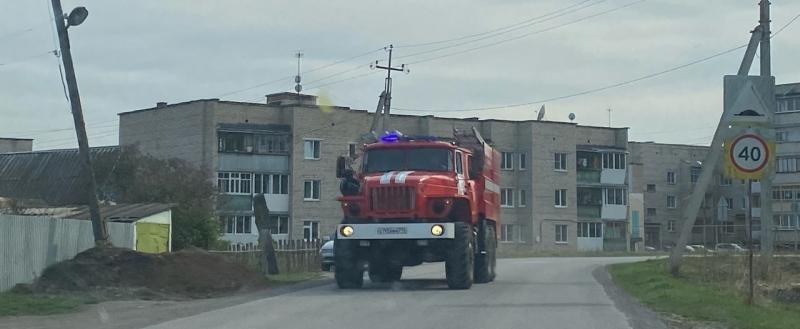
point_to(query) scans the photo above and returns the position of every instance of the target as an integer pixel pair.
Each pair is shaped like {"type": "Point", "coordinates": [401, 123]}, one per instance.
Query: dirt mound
{"type": "Point", "coordinates": [187, 273]}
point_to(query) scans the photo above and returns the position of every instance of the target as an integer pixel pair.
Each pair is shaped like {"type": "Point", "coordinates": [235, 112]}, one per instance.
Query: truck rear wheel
{"type": "Point", "coordinates": [379, 272]}
{"type": "Point", "coordinates": [460, 259]}
{"type": "Point", "coordinates": [348, 271]}
{"type": "Point", "coordinates": [486, 258]}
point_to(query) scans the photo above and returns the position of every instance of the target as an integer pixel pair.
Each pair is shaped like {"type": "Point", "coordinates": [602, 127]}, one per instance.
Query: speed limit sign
{"type": "Point", "coordinates": [748, 155]}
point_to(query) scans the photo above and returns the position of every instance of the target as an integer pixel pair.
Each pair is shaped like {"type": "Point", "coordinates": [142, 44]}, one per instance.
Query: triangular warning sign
{"type": "Point", "coordinates": [749, 103]}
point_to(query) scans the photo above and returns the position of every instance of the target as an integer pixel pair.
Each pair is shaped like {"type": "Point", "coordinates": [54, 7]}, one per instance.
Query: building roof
{"type": "Point", "coordinates": [52, 176]}
{"type": "Point", "coordinates": [787, 89]}
{"type": "Point", "coordinates": [15, 139]}
{"type": "Point", "coordinates": [113, 213]}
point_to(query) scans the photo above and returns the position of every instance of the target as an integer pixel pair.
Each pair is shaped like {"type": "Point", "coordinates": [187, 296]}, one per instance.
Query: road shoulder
{"type": "Point", "coordinates": [639, 316]}
{"type": "Point", "coordinates": [131, 314]}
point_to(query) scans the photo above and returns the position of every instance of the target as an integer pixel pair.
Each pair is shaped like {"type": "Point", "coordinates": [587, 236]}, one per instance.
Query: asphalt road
{"type": "Point", "coordinates": [528, 293]}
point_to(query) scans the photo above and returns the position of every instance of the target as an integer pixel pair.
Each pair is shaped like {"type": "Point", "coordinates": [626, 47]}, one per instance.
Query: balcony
{"type": "Point", "coordinates": [588, 176]}
{"type": "Point", "coordinates": [589, 211]}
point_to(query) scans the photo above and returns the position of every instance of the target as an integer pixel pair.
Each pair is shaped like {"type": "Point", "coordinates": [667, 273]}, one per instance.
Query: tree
{"type": "Point", "coordinates": [139, 178]}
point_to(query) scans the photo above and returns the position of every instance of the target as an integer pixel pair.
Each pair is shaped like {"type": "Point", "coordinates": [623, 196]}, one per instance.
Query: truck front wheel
{"type": "Point", "coordinates": [348, 271]}
{"type": "Point", "coordinates": [460, 258]}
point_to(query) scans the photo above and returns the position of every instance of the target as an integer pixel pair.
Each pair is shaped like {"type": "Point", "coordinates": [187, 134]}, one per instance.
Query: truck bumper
{"type": "Point", "coordinates": [396, 231]}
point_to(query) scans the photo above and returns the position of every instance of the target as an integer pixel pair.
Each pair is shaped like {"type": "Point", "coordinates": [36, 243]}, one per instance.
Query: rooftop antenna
{"type": "Point", "coordinates": [298, 87]}
{"type": "Point", "coordinates": [609, 117]}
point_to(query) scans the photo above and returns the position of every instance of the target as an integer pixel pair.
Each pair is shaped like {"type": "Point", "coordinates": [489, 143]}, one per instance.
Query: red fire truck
{"type": "Point", "coordinates": [419, 199]}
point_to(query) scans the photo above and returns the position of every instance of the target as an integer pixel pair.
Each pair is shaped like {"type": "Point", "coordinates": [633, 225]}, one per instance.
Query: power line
{"type": "Point", "coordinates": [615, 85]}
{"type": "Point", "coordinates": [25, 59]}
{"type": "Point", "coordinates": [501, 33]}
{"type": "Point", "coordinates": [304, 72]}
{"type": "Point", "coordinates": [490, 31]}
{"type": "Point", "coordinates": [586, 92]}
{"type": "Point", "coordinates": [527, 34]}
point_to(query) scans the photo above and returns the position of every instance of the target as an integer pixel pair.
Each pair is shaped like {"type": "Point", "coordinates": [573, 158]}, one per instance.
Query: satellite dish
{"type": "Point", "coordinates": [541, 114]}
{"type": "Point", "coordinates": [572, 117]}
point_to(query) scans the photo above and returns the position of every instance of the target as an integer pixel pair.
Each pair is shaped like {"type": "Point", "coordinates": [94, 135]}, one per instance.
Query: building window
{"type": "Point", "coordinates": [788, 105]}
{"type": "Point", "coordinates": [311, 190]}
{"type": "Point", "coordinates": [279, 224]}
{"type": "Point", "coordinates": [523, 161]}
{"type": "Point", "coordinates": [787, 165]}
{"type": "Point", "coordinates": [351, 150]}
{"type": "Point", "coordinates": [561, 233]}
{"type": "Point", "coordinates": [507, 161]}
{"type": "Point", "coordinates": [311, 149]}
{"type": "Point", "coordinates": [744, 203]}
{"type": "Point", "coordinates": [695, 174]}
{"type": "Point", "coordinates": [651, 187]}
{"type": "Point", "coordinates": [786, 222]}
{"type": "Point", "coordinates": [590, 230]}
{"type": "Point", "coordinates": [560, 161]}
{"type": "Point", "coordinates": [230, 142]}
{"type": "Point", "coordinates": [613, 160]}
{"type": "Point", "coordinates": [651, 212]}
{"type": "Point", "coordinates": [728, 228]}
{"type": "Point", "coordinates": [237, 224]}
{"type": "Point", "coordinates": [506, 232]}
{"type": "Point", "coordinates": [756, 201]}
{"type": "Point", "coordinates": [507, 197]}
{"type": "Point", "coordinates": [729, 203]}
{"type": "Point", "coordinates": [724, 181]}
{"type": "Point", "coordinates": [671, 177]}
{"type": "Point", "coordinates": [523, 198]}
{"type": "Point", "coordinates": [310, 230]}
{"type": "Point", "coordinates": [561, 198]}
{"type": "Point", "coordinates": [781, 136]}
{"type": "Point", "coordinates": [671, 201]}
{"type": "Point", "coordinates": [271, 183]}
{"type": "Point", "coordinates": [234, 183]}
{"type": "Point", "coordinates": [670, 226]}
{"type": "Point", "coordinates": [615, 196]}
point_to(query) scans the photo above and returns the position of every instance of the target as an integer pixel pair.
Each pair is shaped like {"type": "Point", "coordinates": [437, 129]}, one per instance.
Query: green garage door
{"type": "Point", "coordinates": [152, 238]}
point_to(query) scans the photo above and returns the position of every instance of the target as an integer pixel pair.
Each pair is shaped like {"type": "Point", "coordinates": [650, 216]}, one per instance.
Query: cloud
{"type": "Point", "coordinates": [129, 55]}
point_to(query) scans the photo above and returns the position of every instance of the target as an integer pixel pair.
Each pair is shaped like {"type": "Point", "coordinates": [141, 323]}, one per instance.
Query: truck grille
{"type": "Point", "coordinates": [392, 198]}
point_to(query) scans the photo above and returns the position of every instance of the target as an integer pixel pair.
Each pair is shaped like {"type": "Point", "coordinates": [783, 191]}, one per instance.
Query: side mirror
{"type": "Point", "coordinates": [341, 166]}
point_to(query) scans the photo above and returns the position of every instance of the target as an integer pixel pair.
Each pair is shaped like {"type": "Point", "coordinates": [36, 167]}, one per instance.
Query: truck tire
{"type": "Point", "coordinates": [348, 271]}
{"type": "Point", "coordinates": [460, 259]}
{"type": "Point", "coordinates": [380, 273]}
{"type": "Point", "coordinates": [485, 261]}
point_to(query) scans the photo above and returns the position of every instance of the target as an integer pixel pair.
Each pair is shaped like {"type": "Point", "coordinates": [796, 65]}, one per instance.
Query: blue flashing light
{"type": "Point", "coordinates": [391, 137]}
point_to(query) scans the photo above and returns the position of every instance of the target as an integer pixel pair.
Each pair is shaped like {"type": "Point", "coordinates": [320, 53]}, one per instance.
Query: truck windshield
{"type": "Point", "coordinates": [425, 159]}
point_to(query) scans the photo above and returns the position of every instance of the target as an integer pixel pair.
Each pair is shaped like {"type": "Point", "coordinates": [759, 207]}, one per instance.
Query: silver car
{"type": "Point", "coordinates": [326, 256]}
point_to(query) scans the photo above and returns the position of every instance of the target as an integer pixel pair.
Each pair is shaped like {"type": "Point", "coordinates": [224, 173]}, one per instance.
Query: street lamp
{"type": "Point", "coordinates": [77, 16]}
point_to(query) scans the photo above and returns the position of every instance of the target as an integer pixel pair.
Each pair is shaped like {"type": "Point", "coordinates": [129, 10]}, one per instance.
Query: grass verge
{"type": "Point", "coordinates": [290, 278]}
{"type": "Point", "coordinates": [649, 282]}
{"type": "Point", "coordinates": [36, 304]}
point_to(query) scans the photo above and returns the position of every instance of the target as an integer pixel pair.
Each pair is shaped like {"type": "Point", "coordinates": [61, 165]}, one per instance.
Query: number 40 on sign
{"type": "Point", "coordinates": [747, 156]}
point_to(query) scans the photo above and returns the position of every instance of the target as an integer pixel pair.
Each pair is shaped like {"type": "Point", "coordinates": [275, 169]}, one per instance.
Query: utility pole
{"type": "Point", "coordinates": [766, 183]}
{"type": "Point", "coordinates": [387, 88]}
{"type": "Point", "coordinates": [76, 17]}
{"type": "Point", "coordinates": [735, 89]}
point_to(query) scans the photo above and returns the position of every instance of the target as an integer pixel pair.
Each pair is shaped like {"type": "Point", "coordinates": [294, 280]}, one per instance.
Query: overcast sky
{"type": "Point", "coordinates": [131, 54]}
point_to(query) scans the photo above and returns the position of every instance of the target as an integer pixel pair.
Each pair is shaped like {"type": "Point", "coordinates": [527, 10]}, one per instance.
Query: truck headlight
{"type": "Point", "coordinates": [346, 230]}
{"type": "Point", "coordinates": [437, 230]}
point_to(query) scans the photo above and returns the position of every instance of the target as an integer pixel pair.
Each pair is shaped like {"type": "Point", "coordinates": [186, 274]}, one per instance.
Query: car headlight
{"type": "Point", "coordinates": [346, 230]}
{"type": "Point", "coordinates": [437, 230]}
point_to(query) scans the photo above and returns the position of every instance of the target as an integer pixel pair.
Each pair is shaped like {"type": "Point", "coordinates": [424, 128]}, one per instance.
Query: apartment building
{"type": "Point", "coordinates": [786, 185]}
{"type": "Point", "coordinates": [665, 175]}
{"type": "Point", "coordinates": [563, 185]}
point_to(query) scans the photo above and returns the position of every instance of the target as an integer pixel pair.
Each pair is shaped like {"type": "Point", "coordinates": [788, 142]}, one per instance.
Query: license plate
{"type": "Point", "coordinates": [392, 230]}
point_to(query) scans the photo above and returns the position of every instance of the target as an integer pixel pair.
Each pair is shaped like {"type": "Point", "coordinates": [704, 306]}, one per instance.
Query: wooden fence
{"type": "Point", "coordinates": [293, 256]}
